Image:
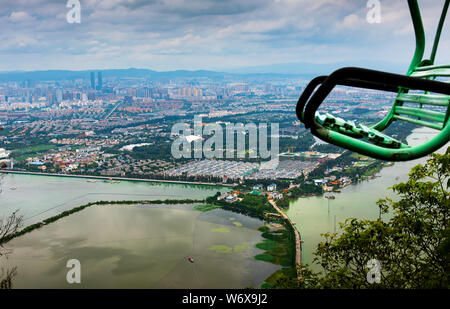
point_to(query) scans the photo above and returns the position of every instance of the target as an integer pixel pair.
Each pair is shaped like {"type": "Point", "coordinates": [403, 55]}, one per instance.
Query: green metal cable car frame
{"type": "Point", "coordinates": [369, 140]}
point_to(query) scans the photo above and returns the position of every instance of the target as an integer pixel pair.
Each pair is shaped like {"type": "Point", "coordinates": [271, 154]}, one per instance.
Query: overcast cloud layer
{"type": "Point", "coordinates": [207, 34]}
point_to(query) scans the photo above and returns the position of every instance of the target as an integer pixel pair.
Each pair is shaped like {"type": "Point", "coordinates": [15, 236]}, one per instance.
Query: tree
{"type": "Point", "coordinates": [8, 227]}
{"type": "Point", "coordinates": [412, 247]}
{"type": "Point", "coordinates": [2, 175]}
{"type": "Point", "coordinates": [212, 199]}
{"type": "Point", "coordinates": [8, 275]}
{"type": "Point", "coordinates": [1, 182]}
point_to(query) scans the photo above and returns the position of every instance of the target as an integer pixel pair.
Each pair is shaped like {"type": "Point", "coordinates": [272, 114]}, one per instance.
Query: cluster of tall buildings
{"type": "Point", "coordinates": [99, 81]}
{"type": "Point", "coordinates": [147, 92]}
{"type": "Point", "coordinates": [190, 92]}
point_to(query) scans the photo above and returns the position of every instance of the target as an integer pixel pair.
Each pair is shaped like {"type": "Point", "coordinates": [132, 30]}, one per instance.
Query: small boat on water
{"type": "Point", "coordinates": [191, 259]}
{"type": "Point", "coordinates": [13, 188]}
{"type": "Point", "coordinates": [330, 197]}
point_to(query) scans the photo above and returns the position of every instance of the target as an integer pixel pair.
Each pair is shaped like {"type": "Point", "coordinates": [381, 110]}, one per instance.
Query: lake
{"type": "Point", "coordinates": [40, 197]}
{"type": "Point", "coordinates": [143, 246]}
{"type": "Point", "coordinates": [129, 246]}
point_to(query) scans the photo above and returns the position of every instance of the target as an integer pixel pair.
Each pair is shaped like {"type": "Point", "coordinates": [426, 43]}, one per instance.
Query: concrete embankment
{"type": "Point", "coordinates": [298, 248]}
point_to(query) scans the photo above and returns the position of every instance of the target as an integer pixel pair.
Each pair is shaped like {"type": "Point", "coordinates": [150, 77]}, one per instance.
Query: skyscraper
{"type": "Point", "coordinates": [99, 82]}
{"type": "Point", "coordinates": [59, 95]}
{"type": "Point", "coordinates": [92, 80]}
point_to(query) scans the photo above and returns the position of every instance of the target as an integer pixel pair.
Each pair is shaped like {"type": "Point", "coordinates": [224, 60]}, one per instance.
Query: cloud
{"type": "Point", "coordinates": [20, 17]}
{"type": "Point", "coordinates": [205, 34]}
{"type": "Point", "coordinates": [351, 21]}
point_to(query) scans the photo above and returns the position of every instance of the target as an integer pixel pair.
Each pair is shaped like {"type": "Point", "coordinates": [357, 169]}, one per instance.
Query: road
{"type": "Point", "coordinates": [298, 248]}
{"type": "Point", "coordinates": [113, 109]}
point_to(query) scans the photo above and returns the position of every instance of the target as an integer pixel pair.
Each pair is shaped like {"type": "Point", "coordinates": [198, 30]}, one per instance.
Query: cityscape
{"type": "Point", "coordinates": [97, 125]}
{"type": "Point", "coordinates": [214, 152]}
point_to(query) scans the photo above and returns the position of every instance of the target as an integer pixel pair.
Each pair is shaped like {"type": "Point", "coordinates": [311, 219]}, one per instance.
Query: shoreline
{"type": "Point", "coordinates": [118, 178]}
{"type": "Point", "coordinates": [298, 240]}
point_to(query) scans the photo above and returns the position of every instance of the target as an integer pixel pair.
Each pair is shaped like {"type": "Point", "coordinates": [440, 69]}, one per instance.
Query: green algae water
{"type": "Point", "coordinates": [129, 246]}
{"type": "Point", "coordinates": [142, 246]}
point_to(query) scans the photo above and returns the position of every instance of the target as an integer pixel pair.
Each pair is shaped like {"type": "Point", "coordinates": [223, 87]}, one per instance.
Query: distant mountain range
{"type": "Point", "coordinates": [85, 74]}
{"type": "Point", "coordinates": [306, 70]}
{"type": "Point", "coordinates": [124, 73]}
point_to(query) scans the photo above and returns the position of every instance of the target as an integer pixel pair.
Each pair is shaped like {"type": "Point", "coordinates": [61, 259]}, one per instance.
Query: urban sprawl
{"type": "Point", "coordinates": [120, 125]}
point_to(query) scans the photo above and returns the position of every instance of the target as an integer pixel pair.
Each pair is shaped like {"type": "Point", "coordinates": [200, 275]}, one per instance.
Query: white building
{"type": "Point", "coordinates": [4, 153]}
{"type": "Point", "coordinates": [278, 196]}
{"type": "Point", "coordinates": [89, 149]}
{"type": "Point", "coordinates": [319, 182]}
{"type": "Point", "coordinates": [271, 187]}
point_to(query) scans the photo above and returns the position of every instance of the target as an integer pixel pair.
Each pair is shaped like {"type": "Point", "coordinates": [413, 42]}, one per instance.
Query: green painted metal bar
{"type": "Point", "coordinates": [447, 115]}
{"type": "Point", "coordinates": [405, 154]}
{"type": "Point", "coordinates": [431, 73]}
{"type": "Point", "coordinates": [429, 99]}
{"type": "Point", "coordinates": [431, 67]}
{"type": "Point", "coordinates": [439, 31]}
{"type": "Point", "coordinates": [420, 122]}
{"type": "Point", "coordinates": [419, 33]}
{"type": "Point", "coordinates": [415, 62]}
{"type": "Point", "coordinates": [385, 139]}
{"type": "Point", "coordinates": [371, 141]}
{"type": "Point", "coordinates": [421, 113]}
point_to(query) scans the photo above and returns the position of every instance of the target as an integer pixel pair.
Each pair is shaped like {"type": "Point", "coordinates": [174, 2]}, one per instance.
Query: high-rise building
{"type": "Point", "coordinates": [190, 92]}
{"type": "Point", "coordinates": [92, 80]}
{"type": "Point", "coordinates": [99, 82]}
{"type": "Point", "coordinates": [59, 95]}
{"type": "Point", "coordinates": [67, 95]}
{"type": "Point", "coordinates": [51, 98]}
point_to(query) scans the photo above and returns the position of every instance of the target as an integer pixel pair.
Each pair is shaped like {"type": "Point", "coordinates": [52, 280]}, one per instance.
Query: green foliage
{"type": "Point", "coordinates": [281, 183]}
{"type": "Point", "coordinates": [264, 257]}
{"type": "Point", "coordinates": [285, 278]}
{"type": "Point", "coordinates": [251, 205]}
{"type": "Point", "coordinates": [346, 161]}
{"type": "Point", "coordinates": [279, 249]}
{"type": "Point", "coordinates": [206, 207]}
{"type": "Point", "coordinates": [266, 285]}
{"type": "Point", "coordinates": [283, 203]}
{"type": "Point", "coordinates": [264, 228]}
{"type": "Point", "coordinates": [22, 153]}
{"type": "Point", "coordinates": [304, 189]}
{"type": "Point", "coordinates": [212, 199]}
{"type": "Point", "coordinates": [327, 148]}
{"type": "Point", "coordinates": [266, 245]}
{"type": "Point", "coordinates": [304, 141]}
{"type": "Point", "coordinates": [159, 150]}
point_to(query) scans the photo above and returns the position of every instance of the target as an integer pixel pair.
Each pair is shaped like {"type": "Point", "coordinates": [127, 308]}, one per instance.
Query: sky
{"type": "Point", "coordinates": [220, 35]}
